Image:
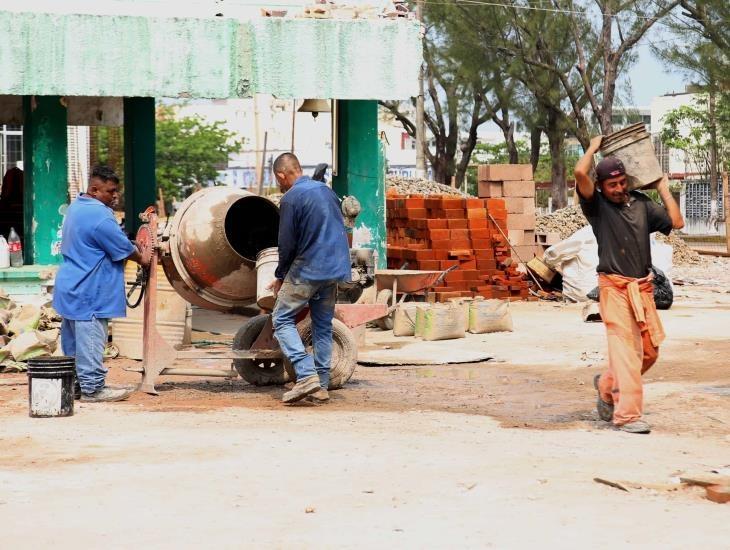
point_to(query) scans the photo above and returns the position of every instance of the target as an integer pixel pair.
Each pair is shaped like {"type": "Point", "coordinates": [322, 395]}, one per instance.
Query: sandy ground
{"type": "Point", "coordinates": [497, 454]}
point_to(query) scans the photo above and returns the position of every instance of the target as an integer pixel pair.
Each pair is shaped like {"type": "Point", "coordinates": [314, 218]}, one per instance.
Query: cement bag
{"type": "Point", "coordinates": [576, 259]}
{"type": "Point", "coordinates": [421, 310]}
{"type": "Point", "coordinates": [462, 303]}
{"type": "Point", "coordinates": [404, 319]}
{"type": "Point", "coordinates": [490, 316]}
{"type": "Point", "coordinates": [443, 322]}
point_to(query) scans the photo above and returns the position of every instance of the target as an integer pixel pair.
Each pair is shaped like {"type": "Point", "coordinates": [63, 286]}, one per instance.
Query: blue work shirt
{"type": "Point", "coordinates": [90, 281]}
{"type": "Point", "coordinates": [312, 238]}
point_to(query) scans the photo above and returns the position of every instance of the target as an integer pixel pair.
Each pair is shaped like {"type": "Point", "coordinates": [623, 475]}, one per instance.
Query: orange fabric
{"type": "Point", "coordinates": [634, 333]}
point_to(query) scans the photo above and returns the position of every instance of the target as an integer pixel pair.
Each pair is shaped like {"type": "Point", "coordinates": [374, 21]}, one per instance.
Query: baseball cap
{"type": "Point", "coordinates": [610, 167]}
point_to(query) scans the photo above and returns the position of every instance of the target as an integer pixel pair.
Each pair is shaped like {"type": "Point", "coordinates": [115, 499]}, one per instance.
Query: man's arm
{"type": "Point", "coordinates": [662, 187]}
{"type": "Point", "coordinates": [136, 256]}
{"type": "Point", "coordinates": [583, 182]}
{"type": "Point", "coordinates": [287, 239]}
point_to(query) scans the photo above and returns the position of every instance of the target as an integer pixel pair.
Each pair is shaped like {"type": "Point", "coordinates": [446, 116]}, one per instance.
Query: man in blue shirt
{"type": "Point", "coordinates": [89, 287]}
{"type": "Point", "coordinates": [314, 256]}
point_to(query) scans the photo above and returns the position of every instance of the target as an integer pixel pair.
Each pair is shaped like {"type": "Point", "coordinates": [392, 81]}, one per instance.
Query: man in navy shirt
{"type": "Point", "coordinates": [314, 256]}
{"type": "Point", "coordinates": [89, 287]}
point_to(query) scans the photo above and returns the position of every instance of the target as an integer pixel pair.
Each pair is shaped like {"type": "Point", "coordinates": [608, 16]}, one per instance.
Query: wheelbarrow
{"type": "Point", "coordinates": [407, 282]}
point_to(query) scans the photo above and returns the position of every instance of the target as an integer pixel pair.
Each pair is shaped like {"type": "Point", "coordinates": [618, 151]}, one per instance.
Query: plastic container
{"type": "Point", "coordinates": [15, 249]}
{"type": "Point", "coordinates": [4, 253]}
{"type": "Point", "coordinates": [633, 146]}
{"type": "Point", "coordinates": [51, 386]}
{"type": "Point", "coordinates": [266, 263]}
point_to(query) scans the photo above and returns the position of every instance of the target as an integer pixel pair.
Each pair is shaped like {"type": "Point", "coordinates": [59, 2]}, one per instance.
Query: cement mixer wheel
{"type": "Point", "coordinates": [344, 352]}
{"type": "Point", "coordinates": [266, 372]}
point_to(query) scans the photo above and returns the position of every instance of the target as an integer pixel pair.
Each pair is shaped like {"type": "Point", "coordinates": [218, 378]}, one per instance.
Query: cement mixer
{"type": "Point", "coordinates": [208, 253]}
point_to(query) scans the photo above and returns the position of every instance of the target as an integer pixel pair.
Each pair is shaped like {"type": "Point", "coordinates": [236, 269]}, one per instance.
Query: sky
{"type": "Point", "coordinates": [649, 78]}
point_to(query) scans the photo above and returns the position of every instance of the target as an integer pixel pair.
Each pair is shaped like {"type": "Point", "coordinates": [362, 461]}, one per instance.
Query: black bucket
{"type": "Point", "coordinates": [51, 386]}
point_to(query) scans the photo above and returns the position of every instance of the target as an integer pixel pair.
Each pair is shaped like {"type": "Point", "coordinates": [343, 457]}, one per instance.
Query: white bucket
{"type": "Point", "coordinates": [266, 262]}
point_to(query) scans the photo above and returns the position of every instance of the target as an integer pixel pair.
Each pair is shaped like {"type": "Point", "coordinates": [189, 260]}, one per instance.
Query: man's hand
{"type": "Point", "coordinates": [661, 184]}
{"type": "Point", "coordinates": [275, 285]}
{"type": "Point", "coordinates": [595, 143]}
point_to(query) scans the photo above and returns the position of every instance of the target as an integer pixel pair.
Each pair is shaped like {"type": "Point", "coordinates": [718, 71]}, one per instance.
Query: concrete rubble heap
{"type": "Point", "coordinates": [435, 233]}
{"type": "Point", "coordinates": [513, 183]}
{"type": "Point", "coordinates": [398, 185]}
{"type": "Point", "coordinates": [567, 221]}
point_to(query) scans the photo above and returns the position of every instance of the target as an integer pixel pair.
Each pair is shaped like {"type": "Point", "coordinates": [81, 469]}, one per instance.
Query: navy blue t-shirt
{"type": "Point", "coordinates": [90, 281]}
{"type": "Point", "coordinates": [312, 237]}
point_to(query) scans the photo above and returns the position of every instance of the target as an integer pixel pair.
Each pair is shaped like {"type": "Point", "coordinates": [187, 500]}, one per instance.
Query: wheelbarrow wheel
{"type": "Point", "coordinates": [265, 372]}
{"type": "Point", "coordinates": [344, 352]}
{"type": "Point", "coordinates": [385, 296]}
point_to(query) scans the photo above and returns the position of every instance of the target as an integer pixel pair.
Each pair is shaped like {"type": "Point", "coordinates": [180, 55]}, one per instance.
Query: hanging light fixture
{"type": "Point", "coordinates": [315, 106]}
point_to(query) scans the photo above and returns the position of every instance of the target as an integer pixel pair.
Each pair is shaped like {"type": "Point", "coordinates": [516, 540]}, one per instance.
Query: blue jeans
{"type": "Point", "coordinates": [85, 341]}
{"type": "Point", "coordinates": [292, 298]}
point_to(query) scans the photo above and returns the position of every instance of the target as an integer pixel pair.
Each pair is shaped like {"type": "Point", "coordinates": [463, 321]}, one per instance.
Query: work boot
{"type": "Point", "coordinates": [320, 396]}
{"type": "Point", "coordinates": [636, 427]}
{"type": "Point", "coordinates": [303, 388]}
{"type": "Point", "coordinates": [605, 409]}
{"type": "Point", "coordinates": [106, 395]}
{"type": "Point", "coordinates": [77, 390]}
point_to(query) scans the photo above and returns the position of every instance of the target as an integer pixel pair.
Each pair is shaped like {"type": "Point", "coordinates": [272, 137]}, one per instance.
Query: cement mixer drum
{"type": "Point", "coordinates": [210, 246]}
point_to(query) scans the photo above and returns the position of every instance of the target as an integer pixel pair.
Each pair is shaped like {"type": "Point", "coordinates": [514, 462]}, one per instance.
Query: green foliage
{"type": "Point", "coordinates": [687, 128]}
{"type": "Point", "coordinates": [190, 152]}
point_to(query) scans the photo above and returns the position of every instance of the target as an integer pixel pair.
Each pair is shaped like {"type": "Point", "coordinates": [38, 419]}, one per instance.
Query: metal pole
{"type": "Point", "coordinates": [420, 119]}
{"type": "Point", "coordinates": [263, 164]}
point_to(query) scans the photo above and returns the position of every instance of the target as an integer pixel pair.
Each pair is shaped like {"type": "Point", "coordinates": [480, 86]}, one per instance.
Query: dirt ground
{"type": "Point", "coordinates": [408, 456]}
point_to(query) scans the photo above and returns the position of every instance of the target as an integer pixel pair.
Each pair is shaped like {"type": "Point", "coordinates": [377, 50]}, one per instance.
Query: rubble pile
{"type": "Point", "coordinates": [26, 332]}
{"type": "Point", "coordinates": [398, 185]}
{"type": "Point", "coordinates": [567, 221]}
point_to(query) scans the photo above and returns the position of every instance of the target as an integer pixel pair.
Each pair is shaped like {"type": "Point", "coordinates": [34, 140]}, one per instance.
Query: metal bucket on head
{"type": "Point", "coordinates": [266, 263]}
{"type": "Point", "coordinates": [633, 146]}
{"type": "Point", "coordinates": [212, 244]}
{"type": "Point", "coordinates": [51, 386]}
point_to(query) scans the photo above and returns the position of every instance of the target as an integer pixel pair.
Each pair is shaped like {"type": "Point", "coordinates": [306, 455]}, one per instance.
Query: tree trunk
{"type": "Point", "coordinates": [535, 136]}
{"type": "Point", "coordinates": [556, 139]}
{"type": "Point", "coordinates": [509, 139]}
{"type": "Point", "coordinates": [711, 115]}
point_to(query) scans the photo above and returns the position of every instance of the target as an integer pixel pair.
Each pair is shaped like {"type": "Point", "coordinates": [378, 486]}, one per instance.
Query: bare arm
{"type": "Point", "coordinates": [583, 182]}
{"type": "Point", "coordinates": [135, 256]}
{"type": "Point", "coordinates": [669, 203]}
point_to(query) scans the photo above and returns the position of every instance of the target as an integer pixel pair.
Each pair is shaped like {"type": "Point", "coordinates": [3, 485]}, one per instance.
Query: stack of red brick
{"type": "Point", "coordinates": [437, 232]}
{"type": "Point", "coordinates": [513, 183]}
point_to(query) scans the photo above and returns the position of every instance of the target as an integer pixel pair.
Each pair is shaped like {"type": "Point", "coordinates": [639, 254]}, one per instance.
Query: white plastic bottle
{"type": "Point", "coordinates": [16, 249]}
{"type": "Point", "coordinates": [4, 253]}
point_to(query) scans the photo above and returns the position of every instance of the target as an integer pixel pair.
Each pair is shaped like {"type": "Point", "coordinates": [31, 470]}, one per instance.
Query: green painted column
{"type": "Point", "coordinates": [45, 166]}
{"type": "Point", "coordinates": [361, 171]}
{"type": "Point", "coordinates": [140, 185]}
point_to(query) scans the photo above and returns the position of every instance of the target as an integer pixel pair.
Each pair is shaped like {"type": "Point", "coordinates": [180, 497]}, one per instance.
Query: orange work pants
{"type": "Point", "coordinates": [634, 333]}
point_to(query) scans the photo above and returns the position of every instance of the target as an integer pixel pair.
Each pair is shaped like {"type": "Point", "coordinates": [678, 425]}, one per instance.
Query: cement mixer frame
{"type": "Point", "coordinates": [158, 356]}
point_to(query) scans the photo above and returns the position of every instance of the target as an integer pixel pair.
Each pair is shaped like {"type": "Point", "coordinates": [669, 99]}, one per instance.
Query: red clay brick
{"type": "Point", "coordinates": [496, 204]}
{"type": "Point", "coordinates": [476, 213]}
{"type": "Point", "coordinates": [478, 223]}
{"type": "Point", "coordinates": [414, 202]}
{"type": "Point", "coordinates": [481, 244]}
{"type": "Point", "coordinates": [429, 265]}
{"type": "Point", "coordinates": [440, 254]}
{"type": "Point", "coordinates": [460, 244]}
{"type": "Point", "coordinates": [468, 264]}
{"type": "Point", "coordinates": [446, 264]}
{"type": "Point", "coordinates": [439, 234]}
{"type": "Point", "coordinates": [458, 224]}
{"type": "Point", "coordinates": [416, 213]}
{"type": "Point", "coordinates": [459, 234]}
{"type": "Point", "coordinates": [485, 264]}
{"type": "Point", "coordinates": [473, 203]}
{"type": "Point", "coordinates": [436, 224]}
{"type": "Point", "coordinates": [444, 244]}
{"type": "Point", "coordinates": [454, 213]}
{"type": "Point", "coordinates": [449, 203]}
{"type": "Point", "coordinates": [480, 234]}
{"type": "Point", "coordinates": [433, 203]}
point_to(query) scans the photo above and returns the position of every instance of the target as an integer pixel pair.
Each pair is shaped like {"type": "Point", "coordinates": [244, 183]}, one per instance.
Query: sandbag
{"type": "Point", "coordinates": [443, 322]}
{"type": "Point", "coordinates": [404, 319]}
{"type": "Point", "coordinates": [490, 316]}
{"type": "Point", "coordinates": [33, 343]}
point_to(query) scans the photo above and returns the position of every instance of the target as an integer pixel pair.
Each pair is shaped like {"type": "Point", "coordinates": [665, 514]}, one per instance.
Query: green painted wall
{"type": "Point", "coordinates": [45, 191]}
{"type": "Point", "coordinates": [140, 185]}
{"type": "Point", "coordinates": [361, 172]}
{"type": "Point", "coordinates": [93, 55]}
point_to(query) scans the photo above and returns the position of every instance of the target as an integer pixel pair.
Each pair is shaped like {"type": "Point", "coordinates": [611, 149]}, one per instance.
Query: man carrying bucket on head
{"type": "Point", "coordinates": [622, 221]}
{"type": "Point", "coordinates": [314, 256]}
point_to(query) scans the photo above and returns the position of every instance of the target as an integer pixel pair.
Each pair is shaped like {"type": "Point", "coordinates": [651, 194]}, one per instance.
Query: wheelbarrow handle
{"type": "Point", "coordinates": [441, 277]}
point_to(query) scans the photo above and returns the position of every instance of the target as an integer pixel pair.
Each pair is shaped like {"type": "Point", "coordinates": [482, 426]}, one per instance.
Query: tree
{"type": "Point", "coordinates": [709, 19]}
{"type": "Point", "coordinates": [190, 152]}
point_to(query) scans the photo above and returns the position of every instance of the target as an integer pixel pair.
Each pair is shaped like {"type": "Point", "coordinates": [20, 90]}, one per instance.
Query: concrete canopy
{"type": "Point", "coordinates": [120, 55]}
